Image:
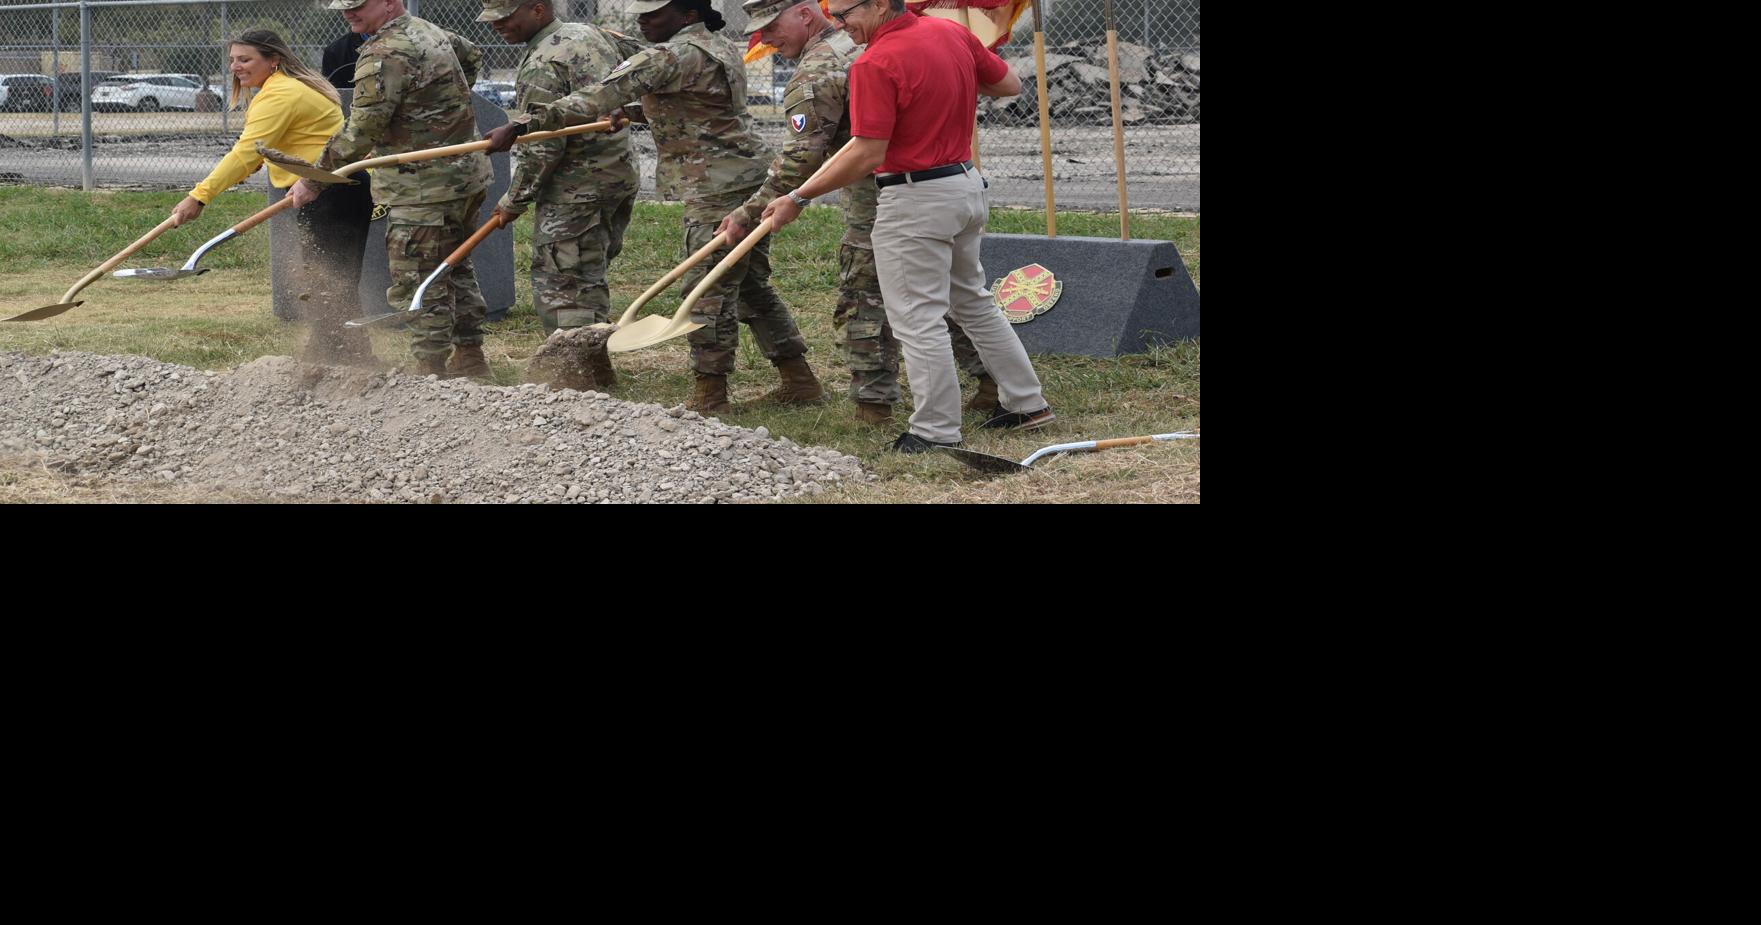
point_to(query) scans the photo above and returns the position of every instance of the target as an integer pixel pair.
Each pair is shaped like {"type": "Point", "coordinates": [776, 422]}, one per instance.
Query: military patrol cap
{"type": "Point", "coordinates": [501, 9]}
{"type": "Point", "coordinates": [760, 13]}
{"type": "Point", "coordinates": [646, 6]}
{"type": "Point", "coordinates": [345, 4]}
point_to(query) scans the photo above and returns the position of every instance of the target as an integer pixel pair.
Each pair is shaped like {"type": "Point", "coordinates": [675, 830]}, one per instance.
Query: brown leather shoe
{"type": "Point", "coordinates": [468, 362]}
{"type": "Point", "coordinates": [869, 412]}
{"type": "Point", "coordinates": [986, 399]}
{"type": "Point", "coordinates": [709, 395]}
{"type": "Point", "coordinates": [799, 386]}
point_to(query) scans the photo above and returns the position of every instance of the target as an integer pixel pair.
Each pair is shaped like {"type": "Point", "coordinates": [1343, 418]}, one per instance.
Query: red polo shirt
{"type": "Point", "coordinates": [917, 87]}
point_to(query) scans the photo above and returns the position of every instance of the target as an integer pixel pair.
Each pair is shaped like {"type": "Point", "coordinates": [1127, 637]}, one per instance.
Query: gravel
{"type": "Point", "coordinates": [280, 428]}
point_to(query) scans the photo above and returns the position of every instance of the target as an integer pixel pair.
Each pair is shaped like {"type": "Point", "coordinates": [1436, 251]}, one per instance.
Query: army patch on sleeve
{"type": "Point", "coordinates": [799, 121]}
{"type": "Point", "coordinates": [625, 64]}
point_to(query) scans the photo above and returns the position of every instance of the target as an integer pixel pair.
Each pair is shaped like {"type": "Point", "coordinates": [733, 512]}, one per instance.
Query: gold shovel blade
{"type": "Point", "coordinates": [300, 167]}
{"type": "Point", "coordinates": [47, 311]}
{"type": "Point", "coordinates": [318, 176]}
{"type": "Point", "coordinates": [641, 333]}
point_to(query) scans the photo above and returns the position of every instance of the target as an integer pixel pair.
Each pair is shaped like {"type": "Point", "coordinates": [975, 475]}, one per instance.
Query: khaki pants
{"type": "Point", "coordinates": [926, 239]}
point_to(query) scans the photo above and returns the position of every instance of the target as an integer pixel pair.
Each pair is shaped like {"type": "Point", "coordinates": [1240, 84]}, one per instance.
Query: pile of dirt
{"type": "Point", "coordinates": [278, 427]}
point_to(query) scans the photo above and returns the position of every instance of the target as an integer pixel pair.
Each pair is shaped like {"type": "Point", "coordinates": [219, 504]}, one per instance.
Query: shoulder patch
{"type": "Point", "coordinates": [623, 64]}
{"type": "Point", "coordinates": [798, 122]}
{"type": "Point", "coordinates": [842, 42]}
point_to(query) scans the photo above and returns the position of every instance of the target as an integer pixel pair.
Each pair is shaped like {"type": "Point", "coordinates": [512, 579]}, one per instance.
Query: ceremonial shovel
{"type": "Point", "coordinates": [985, 462]}
{"type": "Point", "coordinates": [189, 268]}
{"type": "Point", "coordinates": [301, 168]}
{"type": "Point", "coordinates": [67, 302]}
{"type": "Point", "coordinates": [646, 334]}
{"type": "Point", "coordinates": [645, 330]}
{"type": "Point", "coordinates": [454, 259]}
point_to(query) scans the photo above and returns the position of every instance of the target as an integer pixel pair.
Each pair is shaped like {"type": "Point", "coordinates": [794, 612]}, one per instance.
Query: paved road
{"type": "Point", "coordinates": [1162, 163]}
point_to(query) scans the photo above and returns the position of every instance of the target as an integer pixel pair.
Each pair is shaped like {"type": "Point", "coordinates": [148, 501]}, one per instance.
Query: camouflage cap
{"type": "Point", "coordinates": [760, 13]}
{"type": "Point", "coordinates": [645, 6]}
{"type": "Point", "coordinates": [501, 9]}
{"type": "Point", "coordinates": [344, 4]}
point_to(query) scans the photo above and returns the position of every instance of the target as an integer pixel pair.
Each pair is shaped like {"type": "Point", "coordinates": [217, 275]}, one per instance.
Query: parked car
{"type": "Point", "coordinates": [501, 94]}
{"type": "Point", "coordinates": [26, 93]}
{"type": "Point", "coordinates": [70, 87]}
{"type": "Point", "coordinates": [148, 92]}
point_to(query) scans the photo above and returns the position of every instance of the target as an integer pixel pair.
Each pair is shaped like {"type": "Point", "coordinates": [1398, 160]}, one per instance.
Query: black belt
{"type": "Point", "coordinates": [918, 176]}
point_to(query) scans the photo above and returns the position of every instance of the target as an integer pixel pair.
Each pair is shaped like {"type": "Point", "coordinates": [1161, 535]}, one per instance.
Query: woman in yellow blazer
{"type": "Point", "coordinates": [292, 108]}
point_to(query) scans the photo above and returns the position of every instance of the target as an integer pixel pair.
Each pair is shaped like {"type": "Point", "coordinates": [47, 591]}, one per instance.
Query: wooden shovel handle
{"type": "Point", "coordinates": [1045, 117]}
{"type": "Point", "coordinates": [285, 204]}
{"type": "Point", "coordinates": [428, 154]}
{"type": "Point", "coordinates": [1121, 441]}
{"type": "Point", "coordinates": [1118, 123]}
{"type": "Point", "coordinates": [721, 269]}
{"type": "Point", "coordinates": [716, 243]}
{"type": "Point", "coordinates": [110, 264]}
{"type": "Point", "coordinates": [471, 242]}
{"type": "Point", "coordinates": [746, 245]}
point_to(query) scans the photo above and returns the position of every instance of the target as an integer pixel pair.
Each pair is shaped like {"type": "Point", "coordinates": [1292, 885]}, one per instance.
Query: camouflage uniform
{"type": "Point", "coordinates": [693, 93]}
{"type": "Point", "coordinates": [817, 104]}
{"type": "Point", "coordinates": [413, 91]}
{"type": "Point", "coordinates": [585, 186]}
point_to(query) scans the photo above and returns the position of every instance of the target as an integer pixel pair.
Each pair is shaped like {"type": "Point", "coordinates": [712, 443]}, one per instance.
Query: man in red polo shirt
{"type": "Point", "coordinates": [912, 98]}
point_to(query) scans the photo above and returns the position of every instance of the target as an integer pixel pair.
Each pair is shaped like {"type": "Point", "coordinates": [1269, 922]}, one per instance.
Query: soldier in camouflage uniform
{"type": "Point", "coordinates": [816, 103]}
{"type": "Point", "coordinates": [692, 87]}
{"type": "Point", "coordinates": [413, 91]}
{"type": "Point", "coordinates": [585, 186]}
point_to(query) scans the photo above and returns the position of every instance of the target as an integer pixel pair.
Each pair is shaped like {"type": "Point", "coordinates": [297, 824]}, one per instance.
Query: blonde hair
{"type": "Point", "coordinates": [270, 45]}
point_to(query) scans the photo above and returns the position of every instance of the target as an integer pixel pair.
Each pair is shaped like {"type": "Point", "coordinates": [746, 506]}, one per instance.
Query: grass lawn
{"type": "Point", "coordinates": [49, 238]}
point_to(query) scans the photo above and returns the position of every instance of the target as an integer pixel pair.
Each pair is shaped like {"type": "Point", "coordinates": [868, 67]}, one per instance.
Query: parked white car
{"type": "Point", "coordinates": [148, 92]}
{"type": "Point", "coordinates": [501, 93]}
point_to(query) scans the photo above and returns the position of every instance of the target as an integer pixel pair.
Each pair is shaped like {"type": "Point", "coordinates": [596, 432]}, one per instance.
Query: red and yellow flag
{"type": "Point", "coordinates": [990, 20]}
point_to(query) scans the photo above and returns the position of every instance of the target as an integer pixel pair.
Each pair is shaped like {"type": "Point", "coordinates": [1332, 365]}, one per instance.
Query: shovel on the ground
{"type": "Point", "coordinates": [985, 462]}
{"type": "Point", "coordinates": [67, 302]}
{"type": "Point", "coordinates": [302, 168]}
{"type": "Point", "coordinates": [454, 259]}
{"type": "Point", "coordinates": [635, 329]}
{"type": "Point", "coordinates": [653, 329]}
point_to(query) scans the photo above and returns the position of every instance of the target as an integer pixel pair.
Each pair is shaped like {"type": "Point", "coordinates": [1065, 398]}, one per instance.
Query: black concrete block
{"type": "Point", "coordinates": [1119, 296]}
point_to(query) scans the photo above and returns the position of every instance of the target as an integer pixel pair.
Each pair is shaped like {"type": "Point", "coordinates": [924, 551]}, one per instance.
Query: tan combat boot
{"type": "Point", "coordinates": [468, 362]}
{"type": "Point", "coordinates": [799, 386]}
{"type": "Point", "coordinates": [986, 399]}
{"type": "Point", "coordinates": [870, 412]}
{"type": "Point", "coordinates": [709, 395]}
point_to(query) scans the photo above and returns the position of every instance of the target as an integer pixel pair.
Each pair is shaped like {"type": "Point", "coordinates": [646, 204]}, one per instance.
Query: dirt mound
{"type": "Point", "coordinates": [279, 427]}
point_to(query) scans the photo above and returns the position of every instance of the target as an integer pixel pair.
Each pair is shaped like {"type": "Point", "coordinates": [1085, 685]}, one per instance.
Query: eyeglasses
{"type": "Point", "coordinates": [840, 17]}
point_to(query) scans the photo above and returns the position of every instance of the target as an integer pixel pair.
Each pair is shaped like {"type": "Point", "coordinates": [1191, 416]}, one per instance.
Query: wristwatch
{"type": "Point", "coordinates": [798, 201]}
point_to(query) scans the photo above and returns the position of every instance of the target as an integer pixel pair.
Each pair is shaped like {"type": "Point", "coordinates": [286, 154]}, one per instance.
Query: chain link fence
{"type": "Point", "coordinates": [135, 93]}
